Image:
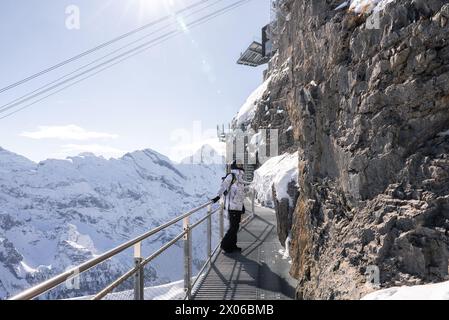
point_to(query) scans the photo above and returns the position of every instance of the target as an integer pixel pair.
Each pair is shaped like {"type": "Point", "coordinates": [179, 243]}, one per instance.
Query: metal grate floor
{"type": "Point", "coordinates": [258, 273]}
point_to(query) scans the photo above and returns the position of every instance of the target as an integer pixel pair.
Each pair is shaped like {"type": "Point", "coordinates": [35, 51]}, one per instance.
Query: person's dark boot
{"type": "Point", "coordinates": [233, 250]}
{"type": "Point", "coordinates": [226, 250]}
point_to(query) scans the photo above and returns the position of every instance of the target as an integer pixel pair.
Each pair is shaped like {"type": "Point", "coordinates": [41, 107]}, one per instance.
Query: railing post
{"type": "Point", "coordinates": [209, 231]}
{"type": "Point", "coordinates": [221, 218]}
{"type": "Point", "coordinates": [187, 259]}
{"type": "Point", "coordinates": [139, 276]}
{"type": "Point", "coordinates": [253, 200]}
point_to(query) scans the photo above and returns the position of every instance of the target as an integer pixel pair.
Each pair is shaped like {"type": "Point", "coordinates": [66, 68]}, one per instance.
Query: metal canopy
{"type": "Point", "coordinates": [253, 56]}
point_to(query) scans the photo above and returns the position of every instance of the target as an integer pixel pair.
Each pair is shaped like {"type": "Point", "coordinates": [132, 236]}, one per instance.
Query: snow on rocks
{"type": "Point", "coordinates": [248, 110]}
{"type": "Point", "coordinates": [342, 5]}
{"type": "Point", "coordinates": [368, 6]}
{"type": "Point", "coordinates": [434, 291]}
{"type": "Point", "coordinates": [169, 291]}
{"type": "Point", "coordinates": [278, 171]}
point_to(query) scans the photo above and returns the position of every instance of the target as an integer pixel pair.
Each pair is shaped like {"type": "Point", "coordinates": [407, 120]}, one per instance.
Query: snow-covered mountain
{"type": "Point", "coordinates": [205, 155]}
{"type": "Point", "coordinates": [59, 213]}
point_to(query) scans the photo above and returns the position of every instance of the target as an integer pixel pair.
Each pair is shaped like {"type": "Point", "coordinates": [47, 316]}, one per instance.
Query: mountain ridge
{"type": "Point", "coordinates": [58, 213]}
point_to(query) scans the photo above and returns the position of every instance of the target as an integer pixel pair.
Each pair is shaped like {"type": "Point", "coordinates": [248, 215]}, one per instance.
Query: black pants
{"type": "Point", "coordinates": [229, 241]}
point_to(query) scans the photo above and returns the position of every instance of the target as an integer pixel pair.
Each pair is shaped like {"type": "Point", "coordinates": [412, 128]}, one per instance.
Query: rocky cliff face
{"type": "Point", "coordinates": [270, 112]}
{"type": "Point", "coordinates": [370, 116]}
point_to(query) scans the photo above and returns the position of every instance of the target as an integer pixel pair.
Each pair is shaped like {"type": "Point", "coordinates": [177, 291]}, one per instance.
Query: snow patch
{"type": "Point", "coordinates": [27, 269]}
{"type": "Point", "coordinates": [248, 110]}
{"type": "Point", "coordinates": [444, 134]}
{"type": "Point", "coordinates": [278, 171]}
{"type": "Point", "coordinates": [170, 291]}
{"type": "Point", "coordinates": [368, 6]}
{"type": "Point", "coordinates": [75, 245]}
{"type": "Point", "coordinates": [79, 241]}
{"type": "Point", "coordinates": [435, 291]}
{"type": "Point", "coordinates": [342, 6]}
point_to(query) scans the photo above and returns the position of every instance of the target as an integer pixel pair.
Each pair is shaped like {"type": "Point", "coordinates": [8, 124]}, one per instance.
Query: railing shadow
{"type": "Point", "coordinates": [263, 277]}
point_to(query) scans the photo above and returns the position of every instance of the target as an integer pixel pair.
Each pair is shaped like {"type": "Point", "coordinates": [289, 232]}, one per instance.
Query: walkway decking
{"type": "Point", "coordinates": [258, 273]}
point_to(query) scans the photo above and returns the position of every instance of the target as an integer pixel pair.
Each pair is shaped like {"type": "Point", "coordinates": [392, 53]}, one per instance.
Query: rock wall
{"type": "Point", "coordinates": [369, 108]}
{"type": "Point", "coordinates": [271, 113]}
{"type": "Point", "coordinates": [284, 211]}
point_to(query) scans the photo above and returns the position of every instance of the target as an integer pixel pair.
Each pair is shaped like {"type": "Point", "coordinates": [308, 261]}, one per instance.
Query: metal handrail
{"type": "Point", "coordinates": [169, 244]}
{"type": "Point", "coordinates": [139, 262]}
{"type": "Point", "coordinates": [208, 262]}
{"type": "Point", "coordinates": [165, 247]}
{"type": "Point", "coordinates": [243, 224]}
{"type": "Point", "coordinates": [248, 218]}
{"type": "Point", "coordinates": [57, 280]}
{"type": "Point", "coordinates": [131, 272]}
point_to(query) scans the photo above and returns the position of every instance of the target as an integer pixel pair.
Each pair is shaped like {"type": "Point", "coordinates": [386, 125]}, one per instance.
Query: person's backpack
{"type": "Point", "coordinates": [234, 179]}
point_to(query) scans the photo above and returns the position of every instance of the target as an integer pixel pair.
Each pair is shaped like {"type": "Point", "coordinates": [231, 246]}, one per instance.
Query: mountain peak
{"type": "Point", "coordinates": [7, 156]}
{"type": "Point", "coordinates": [205, 155]}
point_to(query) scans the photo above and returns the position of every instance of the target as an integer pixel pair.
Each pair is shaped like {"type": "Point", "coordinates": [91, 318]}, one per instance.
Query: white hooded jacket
{"type": "Point", "coordinates": [235, 196]}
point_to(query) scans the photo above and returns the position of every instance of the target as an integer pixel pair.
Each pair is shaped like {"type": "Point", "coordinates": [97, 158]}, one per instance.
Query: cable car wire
{"type": "Point", "coordinates": [141, 46]}
{"type": "Point", "coordinates": [99, 47]}
{"type": "Point", "coordinates": [125, 56]}
{"type": "Point", "coordinates": [22, 98]}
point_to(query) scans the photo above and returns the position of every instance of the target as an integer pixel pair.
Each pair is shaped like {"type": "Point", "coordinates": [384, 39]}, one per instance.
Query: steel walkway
{"type": "Point", "coordinates": [260, 272]}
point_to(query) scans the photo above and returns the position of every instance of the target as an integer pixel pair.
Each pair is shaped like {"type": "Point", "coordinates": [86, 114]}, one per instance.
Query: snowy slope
{"type": "Point", "coordinates": [278, 171]}
{"type": "Point", "coordinates": [248, 110]}
{"type": "Point", "coordinates": [436, 291]}
{"type": "Point", "coordinates": [169, 291]}
{"type": "Point", "coordinates": [59, 213]}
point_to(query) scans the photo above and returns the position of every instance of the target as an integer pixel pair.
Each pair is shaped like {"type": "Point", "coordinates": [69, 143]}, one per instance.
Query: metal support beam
{"type": "Point", "coordinates": [61, 278]}
{"type": "Point", "coordinates": [139, 276]}
{"type": "Point", "coordinates": [138, 281]}
{"type": "Point", "coordinates": [209, 232]}
{"type": "Point", "coordinates": [253, 201]}
{"type": "Point", "coordinates": [187, 260]}
{"type": "Point", "coordinates": [221, 217]}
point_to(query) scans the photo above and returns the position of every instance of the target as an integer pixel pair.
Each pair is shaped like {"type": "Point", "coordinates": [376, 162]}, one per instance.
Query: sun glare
{"type": "Point", "coordinates": [150, 8]}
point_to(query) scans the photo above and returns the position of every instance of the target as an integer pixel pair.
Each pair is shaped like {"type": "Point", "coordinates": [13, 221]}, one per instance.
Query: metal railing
{"type": "Point", "coordinates": [139, 262]}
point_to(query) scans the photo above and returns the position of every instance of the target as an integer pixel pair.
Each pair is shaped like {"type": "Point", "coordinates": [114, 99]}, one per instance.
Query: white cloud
{"type": "Point", "coordinates": [69, 132]}
{"type": "Point", "coordinates": [99, 150]}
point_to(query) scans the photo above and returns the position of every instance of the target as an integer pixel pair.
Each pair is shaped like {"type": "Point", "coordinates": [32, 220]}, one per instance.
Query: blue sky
{"type": "Point", "coordinates": [168, 98]}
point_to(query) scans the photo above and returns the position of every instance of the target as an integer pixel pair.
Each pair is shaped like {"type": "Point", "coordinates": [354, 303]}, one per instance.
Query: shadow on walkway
{"type": "Point", "coordinates": [255, 273]}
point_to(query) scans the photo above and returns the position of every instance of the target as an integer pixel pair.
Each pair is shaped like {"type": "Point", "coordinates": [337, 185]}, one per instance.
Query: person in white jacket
{"type": "Point", "coordinates": [233, 190]}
